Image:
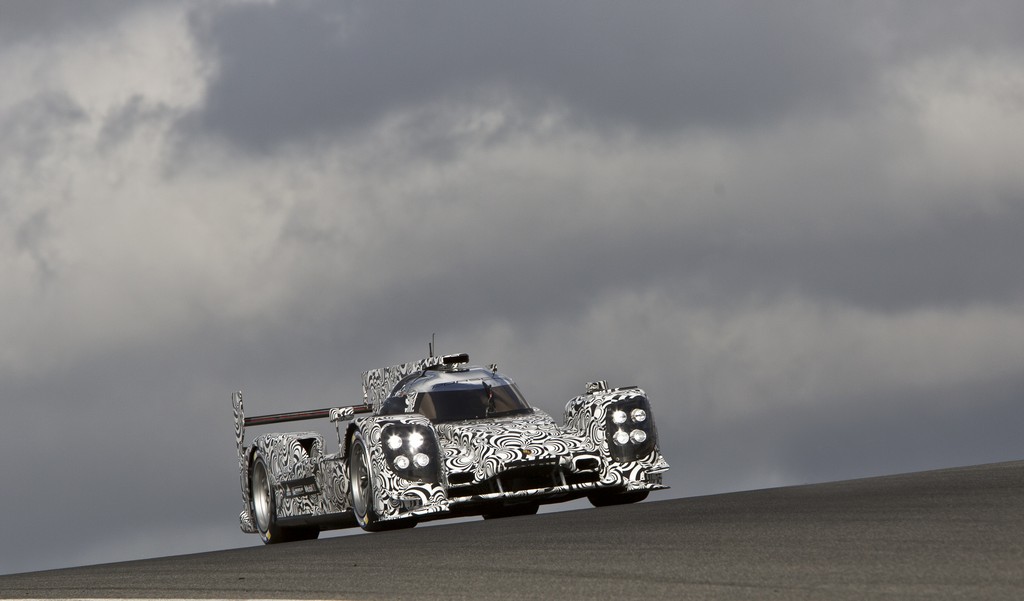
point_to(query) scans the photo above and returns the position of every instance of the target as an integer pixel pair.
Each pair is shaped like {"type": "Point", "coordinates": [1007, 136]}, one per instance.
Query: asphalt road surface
{"type": "Point", "coordinates": [948, 534]}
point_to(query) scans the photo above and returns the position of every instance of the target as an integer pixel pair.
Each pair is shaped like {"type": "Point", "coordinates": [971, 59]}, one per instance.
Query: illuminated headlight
{"type": "Point", "coordinates": [411, 451]}
{"type": "Point", "coordinates": [629, 429]}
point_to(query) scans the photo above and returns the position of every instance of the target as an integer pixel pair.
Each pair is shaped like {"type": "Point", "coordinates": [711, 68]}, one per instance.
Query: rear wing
{"type": "Point", "coordinates": [335, 414]}
{"type": "Point", "coordinates": [378, 383]}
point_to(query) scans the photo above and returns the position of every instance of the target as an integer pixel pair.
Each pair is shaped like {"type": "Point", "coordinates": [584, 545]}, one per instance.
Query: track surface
{"type": "Point", "coordinates": [948, 534]}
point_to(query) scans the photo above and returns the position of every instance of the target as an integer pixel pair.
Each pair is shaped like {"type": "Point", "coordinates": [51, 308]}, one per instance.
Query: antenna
{"type": "Point", "coordinates": [432, 343]}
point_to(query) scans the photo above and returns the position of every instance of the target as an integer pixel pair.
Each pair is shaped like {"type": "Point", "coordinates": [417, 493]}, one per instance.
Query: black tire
{"type": "Point", "coordinates": [361, 483]}
{"type": "Point", "coordinates": [361, 490]}
{"type": "Point", "coordinates": [511, 511]}
{"type": "Point", "coordinates": [263, 509]}
{"type": "Point", "coordinates": [604, 499]}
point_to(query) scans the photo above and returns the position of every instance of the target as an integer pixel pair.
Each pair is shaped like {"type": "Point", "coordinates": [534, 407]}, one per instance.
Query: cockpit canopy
{"type": "Point", "coordinates": [457, 395]}
{"type": "Point", "coordinates": [456, 402]}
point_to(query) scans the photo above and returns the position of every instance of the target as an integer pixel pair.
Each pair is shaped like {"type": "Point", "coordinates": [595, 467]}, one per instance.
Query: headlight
{"type": "Point", "coordinates": [630, 430]}
{"type": "Point", "coordinates": [410, 449]}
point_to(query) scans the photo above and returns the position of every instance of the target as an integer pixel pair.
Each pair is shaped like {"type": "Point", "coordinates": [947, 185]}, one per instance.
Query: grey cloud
{"type": "Point", "coordinates": [942, 259]}
{"type": "Point", "coordinates": [856, 436]}
{"type": "Point", "coordinates": [29, 132]}
{"type": "Point", "coordinates": [111, 456]}
{"type": "Point", "coordinates": [30, 21]}
{"type": "Point", "coordinates": [664, 67]}
{"type": "Point", "coordinates": [654, 68]}
{"type": "Point", "coordinates": [31, 129]}
{"type": "Point", "coordinates": [516, 263]}
{"type": "Point", "coordinates": [119, 125]}
{"type": "Point", "coordinates": [918, 29]}
{"type": "Point", "coordinates": [30, 238]}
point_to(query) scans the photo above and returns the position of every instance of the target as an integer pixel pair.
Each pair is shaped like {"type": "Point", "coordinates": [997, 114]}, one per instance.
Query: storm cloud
{"type": "Point", "coordinates": [606, 65]}
{"type": "Point", "coordinates": [796, 225]}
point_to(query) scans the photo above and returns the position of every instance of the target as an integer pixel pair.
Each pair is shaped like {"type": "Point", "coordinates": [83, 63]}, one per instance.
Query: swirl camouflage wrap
{"type": "Point", "coordinates": [243, 465]}
{"type": "Point", "coordinates": [474, 446]}
{"type": "Point", "coordinates": [484, 449]}
{"type": "Point", "coordinates": [589, 416]}
{"type": "Point", "coordinates": [396, 497]}
{"type": "Point", "coordinates": [378, 383]}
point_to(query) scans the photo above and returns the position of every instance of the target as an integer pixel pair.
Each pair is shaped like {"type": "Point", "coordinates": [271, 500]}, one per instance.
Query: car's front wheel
{"type": "Point", "coordinates": [362, 490]}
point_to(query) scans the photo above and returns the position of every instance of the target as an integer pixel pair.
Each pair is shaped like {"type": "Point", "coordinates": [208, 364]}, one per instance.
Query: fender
{"type": "Point", "coordinates": [588, 415]}
{"type": "Point", "coordinates": [292, 462]}
{"type": "Point", "coordinates": [396, 497]}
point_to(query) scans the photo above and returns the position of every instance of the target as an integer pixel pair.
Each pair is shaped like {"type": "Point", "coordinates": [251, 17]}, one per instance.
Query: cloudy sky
{"type": "Point", "coordinates": [796, 224]}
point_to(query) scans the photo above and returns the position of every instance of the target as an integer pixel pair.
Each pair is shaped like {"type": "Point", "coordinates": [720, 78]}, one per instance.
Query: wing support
{"type": "Point", "coordinates": [332, 413]}
{"type": "Point", "coordinates": [335, 414]}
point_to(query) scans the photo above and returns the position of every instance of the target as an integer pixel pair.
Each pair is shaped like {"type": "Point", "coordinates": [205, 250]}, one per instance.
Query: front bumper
{"type": "Point", "coordinates": [544, 483]}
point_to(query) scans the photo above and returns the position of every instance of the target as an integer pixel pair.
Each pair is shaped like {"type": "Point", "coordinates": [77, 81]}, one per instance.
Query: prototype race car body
{"type": "Point", "coordinates": [439, 438]}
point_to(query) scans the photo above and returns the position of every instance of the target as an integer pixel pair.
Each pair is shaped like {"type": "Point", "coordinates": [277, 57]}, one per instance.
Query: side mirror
{"type": "Point", "coordinates": [339, 414]}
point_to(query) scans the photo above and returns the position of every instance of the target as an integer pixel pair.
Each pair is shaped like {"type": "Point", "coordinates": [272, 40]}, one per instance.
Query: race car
{"type": "Point", "coordinates": [440, 438]}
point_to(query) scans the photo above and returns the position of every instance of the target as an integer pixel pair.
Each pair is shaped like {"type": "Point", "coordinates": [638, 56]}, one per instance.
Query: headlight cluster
{"type": "Point", "coordinates": [630, 429]}
{"type": "Point", "coordinates": [411, 451]}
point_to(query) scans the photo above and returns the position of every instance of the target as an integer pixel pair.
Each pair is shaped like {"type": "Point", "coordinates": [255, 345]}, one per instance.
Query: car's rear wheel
{"type": "Point", "coordinates": [604, 499]}
{"type": "Point", "coordinates": [263, 509]}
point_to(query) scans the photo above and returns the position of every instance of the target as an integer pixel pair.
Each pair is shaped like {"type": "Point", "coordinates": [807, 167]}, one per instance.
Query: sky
{"type": "Point", "coordinates": [797, 225]}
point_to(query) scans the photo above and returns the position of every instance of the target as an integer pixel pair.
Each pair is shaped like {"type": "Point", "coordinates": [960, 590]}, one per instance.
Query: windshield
{"type": "Point", "coordinates": [461, 401]}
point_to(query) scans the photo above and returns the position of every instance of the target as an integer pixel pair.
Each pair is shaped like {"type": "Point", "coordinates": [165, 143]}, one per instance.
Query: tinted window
{"type": "Point", "coordinates": [461, 401]}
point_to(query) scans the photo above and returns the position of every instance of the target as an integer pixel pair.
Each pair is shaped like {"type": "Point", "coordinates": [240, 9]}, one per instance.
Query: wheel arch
{"type": "Point", "coordinates": [288, 456]}
{"type": "Point", "coordinates": [250, 460]}
{"type": "Point", "coordinates": [349, 432]}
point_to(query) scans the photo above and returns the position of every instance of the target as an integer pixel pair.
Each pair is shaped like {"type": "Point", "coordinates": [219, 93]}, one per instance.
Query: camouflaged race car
{"type": "Point", "coordinates": [440, 438]}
